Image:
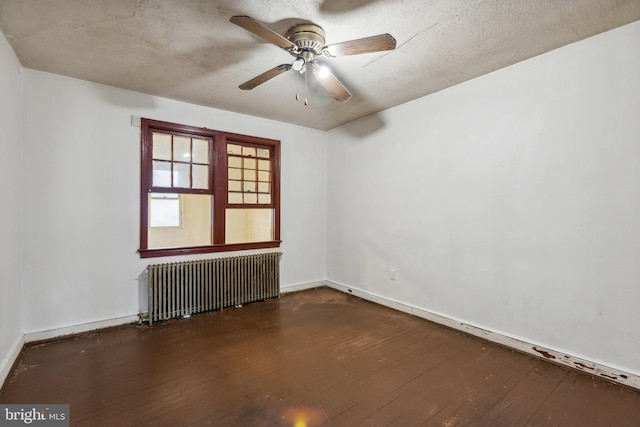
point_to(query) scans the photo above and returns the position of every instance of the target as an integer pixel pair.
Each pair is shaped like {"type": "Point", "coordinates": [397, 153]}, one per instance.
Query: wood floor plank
{"type": "Point", "coordinates": [521, 401]}
{"type": "Point", "coordinates": [312, 358]}
{"type": "Point", "coordinates": [474, 391]}
{"type": "Point", "coordinates": [581, 399]}
{"type": "Point", "coordinates": [378, 389]}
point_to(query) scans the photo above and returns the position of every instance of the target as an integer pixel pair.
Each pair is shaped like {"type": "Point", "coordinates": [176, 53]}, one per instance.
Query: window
{"type": "Point", "coordinates": [207, 191]}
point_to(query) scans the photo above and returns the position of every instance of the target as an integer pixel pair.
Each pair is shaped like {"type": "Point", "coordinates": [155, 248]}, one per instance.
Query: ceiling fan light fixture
{"type": "Point", "coordinates": [298, 64]}
{"type": "Point", "coordinates": [323, 71]}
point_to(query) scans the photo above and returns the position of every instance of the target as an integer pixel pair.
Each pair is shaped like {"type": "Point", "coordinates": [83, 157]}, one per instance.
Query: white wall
{"type": "Point", "coordinates": [81, 197]}
{"type": "Point", "coordinates": [510, 202]}
{"type": "Point", "coordinates": [10, 206]}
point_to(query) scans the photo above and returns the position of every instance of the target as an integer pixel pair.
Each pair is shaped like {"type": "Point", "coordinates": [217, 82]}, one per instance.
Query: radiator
{"type": "Point", "coordinates": [183, 288]}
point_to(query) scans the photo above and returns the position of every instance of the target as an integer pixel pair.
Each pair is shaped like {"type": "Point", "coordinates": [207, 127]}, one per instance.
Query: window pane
{"type": "Point", "coordinates": [249, 186]}
{"type": "Point", "coordinates": [250, 174]}
{"type": "Point", "coordinates": [248, 151]}
{"type": "Point", "coordinates": [251, 198]}
{"type": "Point", "coordinates": [195, 228]}
{"type": "Point", "coordinates": [181, 175]}
{"type": "Point", "coordinates": [234, 149]}
{"type": "Point", "coordinates": [235, 198]}
{"type": "Point", "coordinates": [235, 186]}
{"type": "Point", "coordinates": [181, 149]}
{"type": "Point", "coordinates": [263, 152]}
{"type": "Point", "coordinates": [264, 176]}
{"type": "Point", "coordinates": [264, 198]}
{"type": "Point", "coordinates": [200, 151]}
{"type": "Point", "coordinates": [264, 165]}
{"type": "Point", "coordinates": [264, 187]}
{"type": "Point", "coordinates": [161, 174]}
{"type": "Point", "coordinates": [164, 210]}
{"type": "Point", "coordinates": [161, 146]}
{"type": "Point", "coordinates": [235, 173]}
{"type": "Point", "coordinates": [200, 176]}
{"type": "Point", "coordinates": [249, 163]}
{"type": "Point", "coordinates": [235, 162]}
{"type": "Point", "coordinates": [249, 225]}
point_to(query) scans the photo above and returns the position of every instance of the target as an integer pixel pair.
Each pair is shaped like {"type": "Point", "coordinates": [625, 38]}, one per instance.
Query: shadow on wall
{"type": "Point", "coordinates": [364, 127]}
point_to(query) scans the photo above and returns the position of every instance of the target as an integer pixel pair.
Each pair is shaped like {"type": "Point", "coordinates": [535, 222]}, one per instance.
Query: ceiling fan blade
{"type": "Point", "coordinates": [267, 75]}
{"type": "Point", "coordinates": [260, 30]}
{"type": "Point", "coordinates": [377, 43]}
{"type": "Point", "coordinates": [331, 83]}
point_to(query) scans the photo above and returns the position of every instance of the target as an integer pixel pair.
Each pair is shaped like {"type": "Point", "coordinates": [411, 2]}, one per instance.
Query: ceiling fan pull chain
{"type": "Point", "coordinates": [305, 89]}
{"type": "Point", "coordinates": [297, 84]}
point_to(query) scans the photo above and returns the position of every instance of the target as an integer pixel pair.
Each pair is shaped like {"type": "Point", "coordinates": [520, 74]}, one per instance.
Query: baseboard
{"type": "Point", "coordinates": [303, 286]}
{"type": "Point", "coordinates": [76, 329]}
{"type": "Point", "coordinates": [618, 375]}
{"type": "Point", "coordinates": [86, 327]}
{"type": "Point", "coordinates": [615, 374]}
{"type": "Point", "coordinates": [10, 358]}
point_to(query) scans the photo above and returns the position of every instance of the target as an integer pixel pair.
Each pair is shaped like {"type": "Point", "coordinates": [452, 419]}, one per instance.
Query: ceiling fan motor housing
{"type": "Point", "coordinates": [308, 37]}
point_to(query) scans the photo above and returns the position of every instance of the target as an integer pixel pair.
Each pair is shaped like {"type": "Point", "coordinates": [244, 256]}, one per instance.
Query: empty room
{"type": "Point", "coordinates": [320, 212]}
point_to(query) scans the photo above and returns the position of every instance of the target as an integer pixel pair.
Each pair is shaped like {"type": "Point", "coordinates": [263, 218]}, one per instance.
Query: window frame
{"type": "Point", "coordinates": [218, 184]}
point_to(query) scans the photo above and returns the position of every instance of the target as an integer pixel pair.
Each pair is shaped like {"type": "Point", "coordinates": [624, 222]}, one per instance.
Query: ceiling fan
{"type": "Point", "coordinates": [305, 42]}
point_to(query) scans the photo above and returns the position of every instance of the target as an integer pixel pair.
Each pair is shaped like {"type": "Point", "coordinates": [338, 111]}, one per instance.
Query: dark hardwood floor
{"type": "Point", "coordinates": [317, 357]}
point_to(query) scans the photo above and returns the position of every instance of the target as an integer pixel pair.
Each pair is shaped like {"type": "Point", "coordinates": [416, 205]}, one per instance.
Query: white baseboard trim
{"type": "Point", "coordinates": [76, 329]}
{"type": "Point", "coordinates": [598, 369]}
{"type": "Point", "coordinates": [10, 358]}
{"type": "Point", "coordinates": [618, 375]}
{"type": "Point", "coordinates": [86, 327]}
{"type": "Point", "coordinates": [303, 286]}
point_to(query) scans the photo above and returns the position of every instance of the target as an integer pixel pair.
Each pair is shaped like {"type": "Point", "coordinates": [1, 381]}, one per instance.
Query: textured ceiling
{"type": "Point", "coordinates": [188, 50]}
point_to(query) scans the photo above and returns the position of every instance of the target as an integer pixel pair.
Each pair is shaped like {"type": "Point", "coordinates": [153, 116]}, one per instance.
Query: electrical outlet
{"type": "Point", "coordinates": [393, 274]}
